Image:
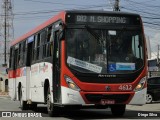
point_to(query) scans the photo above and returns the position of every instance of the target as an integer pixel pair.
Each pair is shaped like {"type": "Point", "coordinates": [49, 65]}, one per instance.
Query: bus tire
{"type": "Point", "coordinates": [52, 110]}
{"type": "Point", "coordinates": [33, 106]}
{"type": "Point", "coordinates": [23, 104]}
{"type": "Point", "coordinates": [149, 98]}
{"type": "Point", "coordinates": [118, 110]}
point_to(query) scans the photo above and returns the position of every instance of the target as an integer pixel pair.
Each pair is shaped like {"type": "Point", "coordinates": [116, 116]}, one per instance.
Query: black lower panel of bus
{"type": "Point", "coordinates": [118, 98]}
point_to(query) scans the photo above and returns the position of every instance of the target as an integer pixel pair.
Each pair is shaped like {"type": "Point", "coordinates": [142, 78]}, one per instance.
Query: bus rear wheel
{"type": "Point", "coordinates": [118, 110]}
{"type": "Point", "coordinates": [33, 106]}
{"type": "Point", "coordinates": [23, 104]}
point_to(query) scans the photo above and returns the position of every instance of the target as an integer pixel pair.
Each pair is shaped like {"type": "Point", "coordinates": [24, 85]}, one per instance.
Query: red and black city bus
{"type": "Point", "coordinates": [81, 58]}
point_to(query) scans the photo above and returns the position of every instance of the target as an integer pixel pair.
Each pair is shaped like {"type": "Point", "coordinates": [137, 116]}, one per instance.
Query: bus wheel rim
{"type": "Point", "coordinates": [49, 102]}
{"type": "Point", "coordinates": [149, 98]}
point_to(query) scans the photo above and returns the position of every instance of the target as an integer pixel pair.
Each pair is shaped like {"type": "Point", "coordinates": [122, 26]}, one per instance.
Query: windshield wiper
{"type": "Point", "coordinates": [95, 35]}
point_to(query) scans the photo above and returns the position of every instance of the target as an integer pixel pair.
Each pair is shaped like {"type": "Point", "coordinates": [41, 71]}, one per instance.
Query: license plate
{"type": "Point", "coordinates": [104, 101]}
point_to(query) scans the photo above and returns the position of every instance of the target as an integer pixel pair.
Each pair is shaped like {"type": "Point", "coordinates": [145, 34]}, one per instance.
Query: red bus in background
{"type": "Point", "coordinates": [81, 58]}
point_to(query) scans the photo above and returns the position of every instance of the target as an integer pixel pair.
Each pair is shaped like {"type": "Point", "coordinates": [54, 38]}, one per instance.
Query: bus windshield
{"type": "Point", "coordinates": [104, 51]}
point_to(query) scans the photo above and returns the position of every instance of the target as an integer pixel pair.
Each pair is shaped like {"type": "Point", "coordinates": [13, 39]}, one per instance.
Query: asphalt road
{"type": "Point", "coordinates": [148, 111]}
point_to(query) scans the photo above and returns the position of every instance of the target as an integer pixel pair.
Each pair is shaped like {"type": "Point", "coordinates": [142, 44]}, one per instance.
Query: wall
{"type": "Point", "coordinates": [3, 78]}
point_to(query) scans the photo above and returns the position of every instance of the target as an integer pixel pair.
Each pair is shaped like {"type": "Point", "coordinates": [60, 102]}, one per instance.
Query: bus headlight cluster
{"type": "Point", "coordinates": [71, 84]}
{"type": "Point", "coordinates": [141, 84]}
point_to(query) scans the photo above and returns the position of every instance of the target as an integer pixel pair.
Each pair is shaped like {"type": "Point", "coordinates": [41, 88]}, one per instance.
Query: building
{"type": "Point", "coordinates": [3, 80]}
{"type": "Point", "coordinates": [152, 65]}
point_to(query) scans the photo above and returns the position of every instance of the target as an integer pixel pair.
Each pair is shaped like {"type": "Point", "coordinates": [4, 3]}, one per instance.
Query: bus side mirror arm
{"type": "Point", "coordinates": [61, 31]}
{"type": "Point", "coordinates": [61, 35]}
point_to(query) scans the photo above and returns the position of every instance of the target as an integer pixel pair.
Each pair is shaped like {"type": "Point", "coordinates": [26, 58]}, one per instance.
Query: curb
{"type": "Point", "coordinates": [4, 96]}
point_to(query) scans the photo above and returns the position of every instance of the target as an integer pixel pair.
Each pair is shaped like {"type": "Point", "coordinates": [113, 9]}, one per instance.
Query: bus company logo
{"type": "Point", "coordinates": [107, 76]}
{"type": "Point", "coordinates": [34, 69]}
{"type": "Point", "coordinates": [108, 88]}
{"type": "Point", "coordinates": [23, 72]}
{"type": "Point", "coordinates": [20, 114]}
{"type": "Point", "coordinates": [43, 68]}
{"type": "Point", "coordinates": [6, 114]}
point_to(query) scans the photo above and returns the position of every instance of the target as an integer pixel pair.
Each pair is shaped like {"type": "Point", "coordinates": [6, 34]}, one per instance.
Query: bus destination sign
{"type": "Point", "coordinates": [101, 19]}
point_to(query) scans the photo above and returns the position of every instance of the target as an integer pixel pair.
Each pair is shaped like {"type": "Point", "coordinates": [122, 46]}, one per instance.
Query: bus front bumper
{"type": "Point", "coordinates": [72, 97]}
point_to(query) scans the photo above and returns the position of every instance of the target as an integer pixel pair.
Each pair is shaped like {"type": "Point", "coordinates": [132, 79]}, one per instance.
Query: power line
{"type": "Point", "coordinates": [141, 11]}
{"type": "Point", "coordinates": [152, 23]}
{"type": "Point", "coordinates": [151, 17]}
{"type": "Point", "coordinates": [144, 4]}
{"type": "Point", "coordinates": [37, 1]}
{"type": "Point", "coordinates": [116, 6]}
{"type": "Point", "coordinates": [34, 15]}
{"type": "Point", "coordinates": [141, 6]}
{"type": "Point", "coordinates": [6, 24]}
{"type": "Point", "coordinates": [52, 11]}
{"type": "Point", "coordinates": [152, 27]}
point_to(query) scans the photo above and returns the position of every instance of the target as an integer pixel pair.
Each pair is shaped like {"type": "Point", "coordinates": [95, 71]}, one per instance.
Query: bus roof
{"type": "Point", "coordinates": [61, 15]}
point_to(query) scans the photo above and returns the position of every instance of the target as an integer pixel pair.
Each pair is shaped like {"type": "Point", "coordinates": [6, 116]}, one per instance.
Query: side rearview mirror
{"type": "Point", "coordinates": [61, 34]}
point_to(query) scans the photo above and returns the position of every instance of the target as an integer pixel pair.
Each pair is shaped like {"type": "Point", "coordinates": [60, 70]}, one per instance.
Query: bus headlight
{"type": "Point", "coordinates": [141, 84]}
{"type": "Point", "coordinates": [71, 84]}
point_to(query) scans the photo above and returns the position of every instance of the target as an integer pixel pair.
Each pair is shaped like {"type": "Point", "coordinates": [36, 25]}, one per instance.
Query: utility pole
{"type": "Point", "coordinates": [6, 30]}
{"type": "Point", "coordinates": [116, 6]}
{"type": "Point", "coordinates": [158, 59]}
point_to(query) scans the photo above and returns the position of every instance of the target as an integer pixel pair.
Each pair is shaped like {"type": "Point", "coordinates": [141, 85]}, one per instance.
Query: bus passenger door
{"type": "Point", "coordinates": [56, 69]}
{"type": "Point", "coordinates": [15, 90]}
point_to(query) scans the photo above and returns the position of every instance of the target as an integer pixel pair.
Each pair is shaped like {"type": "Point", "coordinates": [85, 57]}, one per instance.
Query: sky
{"type": "Point", "coordinates": [30, 13]}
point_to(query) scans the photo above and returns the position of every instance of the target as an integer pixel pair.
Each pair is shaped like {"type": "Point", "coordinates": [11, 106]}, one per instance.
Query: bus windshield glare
{"type": "Point", "coordinates": [104, 51]}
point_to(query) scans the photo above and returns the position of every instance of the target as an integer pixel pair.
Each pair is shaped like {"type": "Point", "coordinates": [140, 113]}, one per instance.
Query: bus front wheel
{"type": "Point", "coordinates": [118, 110]}
{"type": "Point", "coordinates": [52, 110]}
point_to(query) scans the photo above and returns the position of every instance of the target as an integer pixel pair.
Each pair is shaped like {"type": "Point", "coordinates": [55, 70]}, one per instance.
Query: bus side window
{"type": "Point", "coordinates": [44, 50]}
{"type": "Point", "coordinates": [38, 47]}
{"type": "Point", "coordinates": [44, 45]}
{"type": "Point", "coordinates": [16, 51]}
{"type": "Point", "coordinates": [51, 48]}
{"type": "Point", "coordinates": [42, 37]}
{"type": "Point", "coordinates": [47, 47]}
{"type": "Point", "coordinates": [43, 42]}
{"type": "Point", "coordinates": [19, 55]}
{"type": "Point", "coordinates": [29, 54]}
{"type": "Point", "coordinates": [136, 47]}
{"type": "Point", "coordinates": [34, 49]}
{"type": "Point", "coordinates": [21, 60]}
{"type": "Point", "coordinates": [22, 53]}
{"type": "Point", "coordinates": [11, 60]}
{"type": "Point", "coordinates": [49, 31]}
{"type": "Point", "coordinates": [49, 40]}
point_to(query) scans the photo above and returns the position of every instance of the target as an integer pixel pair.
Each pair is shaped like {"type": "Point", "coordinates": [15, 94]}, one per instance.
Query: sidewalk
{"type": "Point", "coordinates": [4, 94]}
